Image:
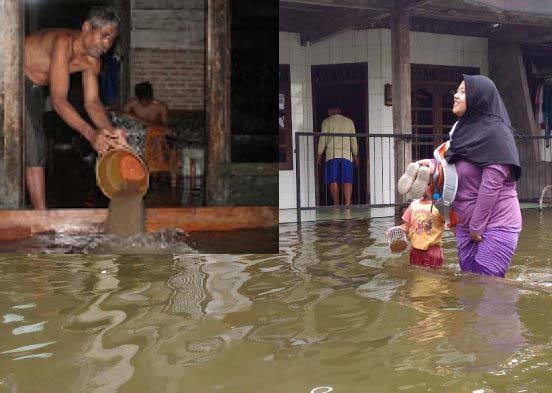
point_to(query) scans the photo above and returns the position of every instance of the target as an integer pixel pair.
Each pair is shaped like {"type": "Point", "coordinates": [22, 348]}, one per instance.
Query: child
{"type": "Point", "coordinates": [424, 226]}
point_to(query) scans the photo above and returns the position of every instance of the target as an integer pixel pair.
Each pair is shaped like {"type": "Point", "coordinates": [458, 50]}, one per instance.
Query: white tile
{"type": "Point", "coordinates": [296, 89]}
{"type": "Point", "coordinates": [297, 121]}
{"type": "Point", "coordinates": [296, 73]}
{"type": "Point", "coordinates": [374, 54]}
{"type": "Point", "coordinates": [361, 38]}
{"type": "Point", "coordinates": [283, 39]}
{"type": "Point", "coordinates": [348, 38]}
{"type": "Point", "coordinates": [374, 38]}
{"type": "Point", "coordinates": [387, 117]}
{"type": "Point", "coordinates": [304, 91]}
{"type": "Point", "coordinates": [374, 69]}
{"type": "Point", "coordinates": [322, 44]}
{"type": "Point", "coordinates": [307, 105]}
{"type": "Point", "coordinates": [385, 38]}
{"type": "Point", "coordinates": [375, 86]}
{"type": "Point", "coordinates": [348, 54]}
{"type": "Point", "coordinates": [297, 104]}
{"type": "Point", "coordinates": [294, 39]}
{"type": "Point", "coordinates": [310, 55]}
{"type": "Point", "coordinates": [309, 90]}
{"type": "Point", "coordinates": [428, 56]}
{"type": "Point", "coordinates": [386, 68]}
{"type": "Point", "coordinates": [297, 55]}
{"type": "Point", "coordinates": [476, 44]}
{"type": "Point", "coordinates": [309, 124]}
{"type": "Point", "coordinates": [323, 56]}
{"type": "Point", "coordinates": [283, 54]}
{"type": "Point", "coordinates": [336, 54]}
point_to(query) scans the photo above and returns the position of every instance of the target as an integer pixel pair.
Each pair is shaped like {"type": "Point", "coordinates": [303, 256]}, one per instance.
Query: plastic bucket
{"type": "Point", "coordinates": [121, 170]}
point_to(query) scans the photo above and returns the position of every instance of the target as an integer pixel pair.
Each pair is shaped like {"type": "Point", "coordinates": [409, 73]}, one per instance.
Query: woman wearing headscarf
{"type": "Point", "coordinates": [487, 163]}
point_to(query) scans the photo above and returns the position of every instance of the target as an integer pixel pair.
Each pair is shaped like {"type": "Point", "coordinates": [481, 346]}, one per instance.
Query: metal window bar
{"type": "Point", "coordinates": [381, 165]}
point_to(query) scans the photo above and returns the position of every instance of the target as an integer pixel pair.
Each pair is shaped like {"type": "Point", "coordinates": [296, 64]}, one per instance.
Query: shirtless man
{"type": "Point", "coordinates": [145, 108]}
{"type": "Point", "coordinates": [50, 56]}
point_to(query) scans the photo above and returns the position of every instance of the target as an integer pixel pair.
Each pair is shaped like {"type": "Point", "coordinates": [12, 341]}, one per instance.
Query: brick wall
{"type": "Point", "coordinates": [177, 76]}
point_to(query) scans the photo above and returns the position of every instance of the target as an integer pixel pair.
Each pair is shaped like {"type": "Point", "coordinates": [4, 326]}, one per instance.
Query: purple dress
{"type": "Point", "coordinates": [486, 203]}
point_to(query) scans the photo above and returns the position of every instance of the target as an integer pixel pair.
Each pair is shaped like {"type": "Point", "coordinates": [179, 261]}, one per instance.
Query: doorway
{"type": "Point", "coordinates": [433, 88]}
{"type": "Point", "coordinates": [346, 84]}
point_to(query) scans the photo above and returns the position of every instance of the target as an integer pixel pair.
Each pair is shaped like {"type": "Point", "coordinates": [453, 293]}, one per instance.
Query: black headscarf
{"type": "Point", "coordinates": [484, 134]}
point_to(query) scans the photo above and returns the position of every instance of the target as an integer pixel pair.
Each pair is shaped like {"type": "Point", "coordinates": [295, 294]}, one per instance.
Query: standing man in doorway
{"type": "Point", "coordinates": [50, 56]}
{"type": "Point", "coordinates": [341, 154]}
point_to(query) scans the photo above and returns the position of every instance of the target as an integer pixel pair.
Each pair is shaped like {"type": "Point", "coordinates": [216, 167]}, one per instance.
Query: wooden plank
{"type": "Point", "coordinates": [17, 224]}
{"type": "Point", "coordinates": [461, 15]}
{"type": "Point", "coordinates": [168, 4]}
{"type": "Point", "coordinates": [171, 20]}
{"type": "Point", "coordinates": [401, 90]}
{"type": "Point", "coordinates": [12, 187]}
{"type": "Point", "coordinates": [374, 5]}
{"type": "Point", "coordinates": [218, 98]}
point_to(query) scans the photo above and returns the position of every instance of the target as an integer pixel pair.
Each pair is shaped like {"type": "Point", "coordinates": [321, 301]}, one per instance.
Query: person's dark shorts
{"type": "Point", "coordinates": [35, 139]}
{"type": "Point", "coordinates": [338, 170]}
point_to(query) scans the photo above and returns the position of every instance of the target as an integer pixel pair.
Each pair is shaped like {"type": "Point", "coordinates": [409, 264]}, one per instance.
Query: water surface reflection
{"type": "Point", "coordinates": [334, 308]}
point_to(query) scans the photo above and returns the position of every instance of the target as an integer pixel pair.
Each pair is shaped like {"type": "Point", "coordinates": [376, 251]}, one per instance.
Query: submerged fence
{"type": "Point", "coordinates": [381, 156]}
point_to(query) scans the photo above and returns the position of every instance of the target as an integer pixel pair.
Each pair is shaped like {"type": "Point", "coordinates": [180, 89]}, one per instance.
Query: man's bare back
{"type": "Point", "coordinates": [154, 112]}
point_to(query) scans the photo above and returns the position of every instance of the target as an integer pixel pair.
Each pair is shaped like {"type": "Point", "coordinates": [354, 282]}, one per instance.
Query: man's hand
{"type": "Point", "coordinates": [105, 140]}
{"type": "Point", "coordinates": [318, 159]}
{"type": "Point", "coordinates": [356, 161]}
{"type": "Point", "coordinates": [476, 237]}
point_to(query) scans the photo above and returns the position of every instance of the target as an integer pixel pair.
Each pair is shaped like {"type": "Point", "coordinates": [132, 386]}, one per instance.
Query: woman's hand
{"type": "Point", "coordinates": [428, 163]}
{"type": "Point", "coordinates": [476, 237]}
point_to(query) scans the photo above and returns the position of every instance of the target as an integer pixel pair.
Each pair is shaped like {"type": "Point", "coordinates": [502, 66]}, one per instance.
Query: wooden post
{"type": "Point", "coordinates": [218, 98]}
{"type": "Point", "coordinates": [12, 182]}
{"type": "Point", "coordinates": [123, 9]}
{"type": "Point", "coordinates": [402, 118]}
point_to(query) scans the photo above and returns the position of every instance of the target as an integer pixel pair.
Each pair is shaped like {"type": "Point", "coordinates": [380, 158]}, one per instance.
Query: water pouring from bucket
{"type": "Point", "coordinates": [124, 178]}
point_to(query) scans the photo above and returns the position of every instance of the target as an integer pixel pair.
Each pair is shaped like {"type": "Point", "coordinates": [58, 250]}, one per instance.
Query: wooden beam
{"type": "Point", "coordinates": [500, 17]}
{"type": "Point", "coordinates": [401, 90]}
{"type": "Point", "coordinates": [218, 98]}
{"type": "Point", "coordinates": [541, 7]}
{"type": "Point", "coordinates": [12, 191]}
{"type": "Point", "coordinates": [373, 5]}
{"type": "Point", "coordinates": [17, 224]}
{"type": "Point", "coordinates": [124, 12]}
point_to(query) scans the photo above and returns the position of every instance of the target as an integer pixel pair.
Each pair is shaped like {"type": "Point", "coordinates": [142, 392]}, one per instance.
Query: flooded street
{"type": "Point", "coordinates": [334, 309]}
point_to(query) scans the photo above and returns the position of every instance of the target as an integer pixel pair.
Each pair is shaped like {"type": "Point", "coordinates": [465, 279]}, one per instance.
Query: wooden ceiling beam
{"type": "Point", "coordinates": [372, 5]}
{"type": "Point", "coordinates": [507, 18]}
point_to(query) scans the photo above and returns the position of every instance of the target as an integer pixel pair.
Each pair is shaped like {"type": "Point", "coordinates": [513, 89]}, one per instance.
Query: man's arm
{"type": "Point", "coordinates": [92, 103]}
{"type": "Point", "coordinates": [129, 106]}
{"type": "Point", "coordinates": [59, 87]}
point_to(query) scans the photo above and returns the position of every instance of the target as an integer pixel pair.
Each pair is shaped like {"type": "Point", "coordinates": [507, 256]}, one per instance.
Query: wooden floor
{"type": "Point", "coordinates": [18, 224]}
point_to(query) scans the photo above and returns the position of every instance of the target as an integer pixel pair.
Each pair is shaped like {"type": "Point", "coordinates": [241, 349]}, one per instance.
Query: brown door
{"type": "Point", "coordinates": [346, 84]}
{"type": "Point", "coordinates": [433, 88]}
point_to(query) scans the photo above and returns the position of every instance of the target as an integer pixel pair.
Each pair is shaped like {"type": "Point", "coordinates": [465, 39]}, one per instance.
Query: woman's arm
{"type": "Point", "coordinates": [492, 181]}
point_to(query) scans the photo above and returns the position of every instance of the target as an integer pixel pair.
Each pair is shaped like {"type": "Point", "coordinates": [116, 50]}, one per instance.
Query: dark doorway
{"type": "Point", "coordinates": [346, 84]}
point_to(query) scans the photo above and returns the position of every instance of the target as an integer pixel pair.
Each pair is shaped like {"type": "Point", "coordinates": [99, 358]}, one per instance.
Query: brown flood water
{"type": "Point", "coordinates": [333, 309]}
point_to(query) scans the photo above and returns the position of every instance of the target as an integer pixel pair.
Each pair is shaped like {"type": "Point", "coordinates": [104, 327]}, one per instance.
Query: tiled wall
{"type": "Point", "coordinates": [373, 47]}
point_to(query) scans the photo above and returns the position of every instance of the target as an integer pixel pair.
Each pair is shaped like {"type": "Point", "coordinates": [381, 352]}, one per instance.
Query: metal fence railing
{"type": "Point", "coordinates": [383, 156]}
